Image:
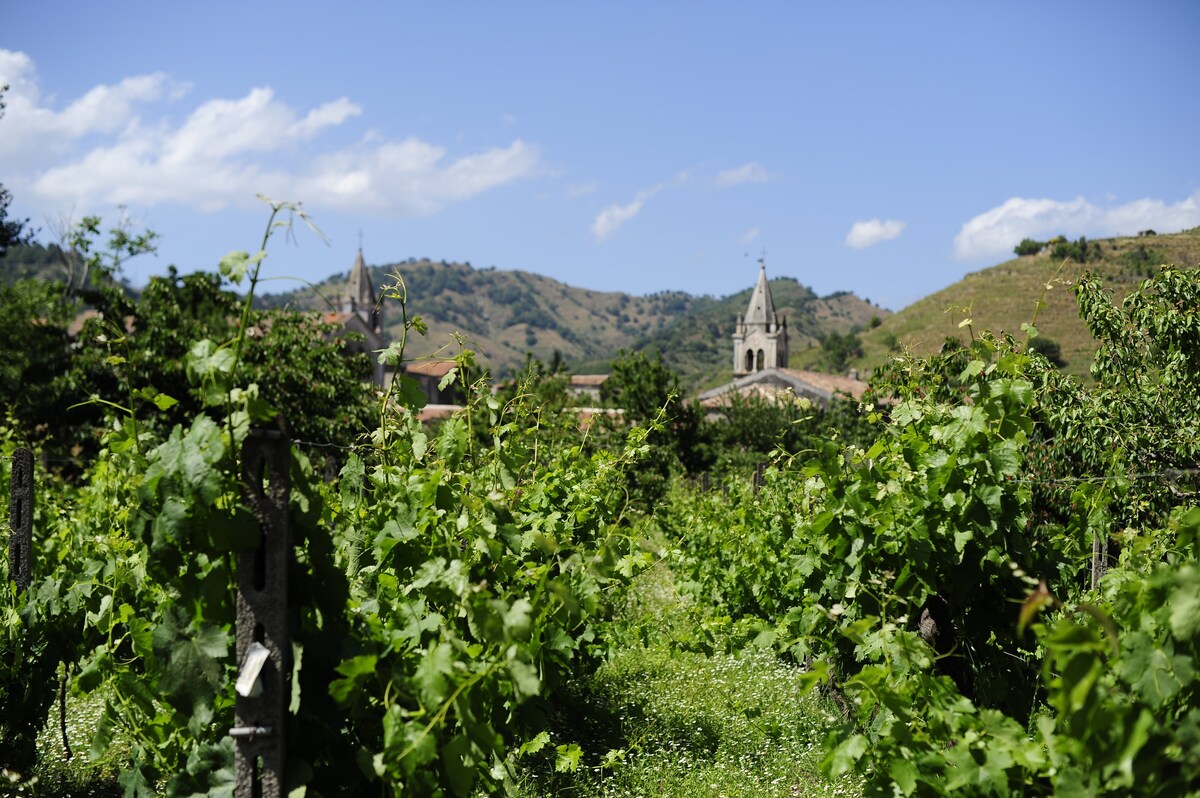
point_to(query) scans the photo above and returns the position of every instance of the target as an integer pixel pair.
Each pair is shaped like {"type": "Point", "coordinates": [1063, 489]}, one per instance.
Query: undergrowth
{"type": "Point", "coordinates": [664, 718]}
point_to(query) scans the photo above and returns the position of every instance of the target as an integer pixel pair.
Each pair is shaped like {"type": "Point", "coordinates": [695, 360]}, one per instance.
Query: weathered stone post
{"type": "Point", "coordinates": [20, 519]}
{"type": "Point", "coordinates": [263, 643]}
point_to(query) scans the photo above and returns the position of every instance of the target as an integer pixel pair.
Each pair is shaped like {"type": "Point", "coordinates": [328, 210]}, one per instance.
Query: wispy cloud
{"type": "Point", "coordinates": [612, 217]}
{"type": "Point", "coordinates": [580, 190]}
{"type": "Point", "coordinates": [34, 132]}
{"type": "Point", "coordinates": [751, 172]}
{"type": "Point", "coordinates": [99, 150]}
{"type": "Point", "coordinates": [873, 231]}
{"type": "Point", "coordinates": [749, 235]}
{"type": "Point", "coordinates": [994, 233]}
{"type": "Point", "coordinates": [412, 176]}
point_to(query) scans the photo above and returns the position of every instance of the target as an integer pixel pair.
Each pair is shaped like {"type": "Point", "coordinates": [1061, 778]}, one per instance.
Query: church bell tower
{"type": "Point", "coordinates": [760, 339]}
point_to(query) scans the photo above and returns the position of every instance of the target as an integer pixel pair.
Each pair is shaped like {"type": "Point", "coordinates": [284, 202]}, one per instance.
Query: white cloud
{"type": "Point", "coordinates": [749, 235]}
{"type": "Point", "coordinates": [412, 176]}
{"type": "Point", "coordinates": [32, 131]}
{"type": "Point", "coordinates": [994, 234]}
{"type": "Point", "coordinates": [752, 172]}
{"type": "Point", "coordinates": [98, 150]}
{"type": "Point", "coordinates": [872, 232]}
{"type": "Point", "coordinates": [612, 217]}
{"type": "Point", "coordinates": [580, 190]}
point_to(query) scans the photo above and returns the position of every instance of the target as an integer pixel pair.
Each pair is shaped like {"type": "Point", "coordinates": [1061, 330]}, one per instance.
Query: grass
{"type": "Point", "coordinates": [58, 775]}
{"type": "Point", "coordinates": [662, 719]}
{"type": "Point", "coordinates": [727, 725]}
{"type": "Point", "coordinates": [1003, 297]}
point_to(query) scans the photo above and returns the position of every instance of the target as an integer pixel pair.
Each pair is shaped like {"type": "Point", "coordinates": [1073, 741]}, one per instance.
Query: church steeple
{"type": "Point", "coordinates": [760, 339]}
{"type": "Point", "coordinates": [360, 296]}
{"type": "Point", "coordinates": [762, 307]}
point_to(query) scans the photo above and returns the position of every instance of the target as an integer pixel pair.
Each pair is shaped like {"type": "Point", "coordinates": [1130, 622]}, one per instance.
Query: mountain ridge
{"type": "Point", "coordinates": [507, 314]}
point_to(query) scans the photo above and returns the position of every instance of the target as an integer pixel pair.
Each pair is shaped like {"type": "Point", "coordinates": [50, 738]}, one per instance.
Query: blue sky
{"type": "Point", "coordinates": [880, 148]}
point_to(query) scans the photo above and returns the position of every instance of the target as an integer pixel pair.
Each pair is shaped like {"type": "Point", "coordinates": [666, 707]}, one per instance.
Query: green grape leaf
{"type": "Point", "coordinates": [430, 675]}
{"type": "Point", "coordinates": [525, 679]}
{"type": "Point", "coordinates": [297, 663]}
{"type": "Point", "coordinates": [567, 759]}
{"type": "Point", "coordinates": [904, 775]}
{"type": "Point", "coordinates": [843, 757]}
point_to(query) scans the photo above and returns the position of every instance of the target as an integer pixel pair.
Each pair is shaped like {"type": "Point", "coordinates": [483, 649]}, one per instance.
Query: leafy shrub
{"type": "Point", "coordinates": [1029, 247]}
{"type": "Point", "coordinates": [1080, 251]}
{"type": "Point", "coordinates": [837, 350]}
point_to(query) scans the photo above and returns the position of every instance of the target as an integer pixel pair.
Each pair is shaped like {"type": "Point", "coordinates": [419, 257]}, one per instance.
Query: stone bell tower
{"type": "Point", "coordinates": [359, 298]}
{"type": "Point", "coordinates": [760, 339]}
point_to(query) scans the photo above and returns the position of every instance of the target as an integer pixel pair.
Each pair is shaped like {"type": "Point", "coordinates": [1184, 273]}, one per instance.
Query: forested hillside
{"type": "Point", "coordinates": [507, 314]}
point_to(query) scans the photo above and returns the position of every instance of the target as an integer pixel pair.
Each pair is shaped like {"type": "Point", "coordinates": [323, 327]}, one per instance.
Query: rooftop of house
{"type": "Point", "coordinates": [430, 368]}
{"type": "Point", "coordinates": [587, 380]}
{"type": "Point", "coordinates": [775, 384]}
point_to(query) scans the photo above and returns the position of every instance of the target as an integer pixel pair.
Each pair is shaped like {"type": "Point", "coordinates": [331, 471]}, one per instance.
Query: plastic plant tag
{"type": "Point", "coordinates": [248, 683]}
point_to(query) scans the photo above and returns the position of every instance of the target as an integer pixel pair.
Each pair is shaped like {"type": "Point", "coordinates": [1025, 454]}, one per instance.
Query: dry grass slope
{"type": "Point", "coordinates": [1003, 297]}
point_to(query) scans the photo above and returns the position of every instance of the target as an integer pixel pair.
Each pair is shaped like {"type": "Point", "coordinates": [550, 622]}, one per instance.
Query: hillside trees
{"type": "Point", "coordinates": [132, 352]}
{"type": "Point", "coordinates": [12, 231]}
{"type": "Point", "coordinates": [650, 396]}
{"type": "Point", "coordinates": [1028, 247]}
{"type": "Point", "coordinates": [1080, 251]}
{"type": "Point", "coordinates": [838, 349]}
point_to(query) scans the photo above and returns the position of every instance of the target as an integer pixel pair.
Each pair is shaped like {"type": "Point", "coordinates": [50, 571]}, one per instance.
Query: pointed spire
{"type": "Point", "coordinates": [762, 307]}
{"type": "Point", "coordinates": [360, 294]}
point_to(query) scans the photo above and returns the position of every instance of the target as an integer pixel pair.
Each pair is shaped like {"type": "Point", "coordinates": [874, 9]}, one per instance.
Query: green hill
{"type": "Point", "coordinates": [1003, 297]}
{"type": "Point", "coordinates": [506, 314]}
{"type": "Point", "coordinates": [698, 343]}
{"type": "Point", "coordinates": [25, 261]}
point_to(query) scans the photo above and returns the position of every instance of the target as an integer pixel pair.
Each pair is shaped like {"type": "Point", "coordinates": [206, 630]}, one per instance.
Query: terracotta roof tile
{"type": "Point", "coordinates": [431, 368]}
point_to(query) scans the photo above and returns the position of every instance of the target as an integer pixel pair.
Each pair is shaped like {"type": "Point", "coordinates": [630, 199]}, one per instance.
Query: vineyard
{"type": "Point", "coordinates": [984, 582]}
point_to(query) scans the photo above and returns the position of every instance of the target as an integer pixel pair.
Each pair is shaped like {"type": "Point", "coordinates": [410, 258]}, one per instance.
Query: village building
{"type": "Point", "coordinates": [586, 387]}
{"type": "Point", "coordinates": [760, 361]}
{"type": "Point", "coordinates": [361, 312]}
{"type": "Point", "coordinates": [429, 375]}
{"type": "Point", "coordinates": [778, 384]}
